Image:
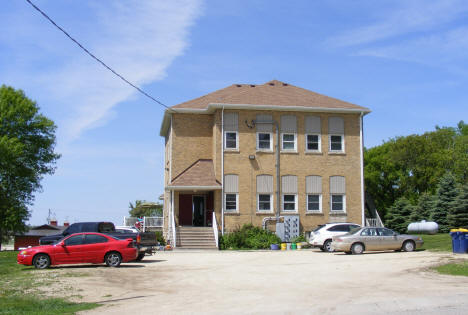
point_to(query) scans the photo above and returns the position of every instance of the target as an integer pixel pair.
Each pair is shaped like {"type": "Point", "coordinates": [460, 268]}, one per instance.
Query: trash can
{"type": "Point", "coordinates": [463, 240]}
{"type": "Point", "coordinates": [459, 240]}
{"type": "Point", "coordinates": [454, 233]}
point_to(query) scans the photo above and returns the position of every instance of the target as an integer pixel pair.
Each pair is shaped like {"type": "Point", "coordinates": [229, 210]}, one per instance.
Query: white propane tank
{"type": "Point", "coordinates": [423, 227]}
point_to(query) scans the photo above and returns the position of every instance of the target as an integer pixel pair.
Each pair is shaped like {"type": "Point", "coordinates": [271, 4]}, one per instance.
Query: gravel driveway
{"type": "Point", "coordinates": [307, 281]}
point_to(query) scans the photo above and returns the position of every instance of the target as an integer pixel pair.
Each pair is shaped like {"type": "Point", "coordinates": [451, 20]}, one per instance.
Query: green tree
{"type": "Point", "coordinates": [423, 210]}
{"type": "Point", "coordinates": [445, 201]}
{"type": "Point", "coordinates": [27, 141]}
{"type": "Point", "coordinates": [458, 216]}
{"type": "Point", "coordinates": [408, 166]}
{"type": "Point", "coordinates": [398, 215]}
{"type": "Point", "coordinates": [143, 208]}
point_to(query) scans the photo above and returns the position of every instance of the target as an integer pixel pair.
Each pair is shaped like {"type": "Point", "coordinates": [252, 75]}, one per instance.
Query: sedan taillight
{"type": "Point", "coordinates": [138, 239]}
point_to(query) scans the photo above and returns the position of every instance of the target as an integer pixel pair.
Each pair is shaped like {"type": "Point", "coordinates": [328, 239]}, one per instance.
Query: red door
{"type": "Point", "coordinates": [185, 210]}
{"type": "Point", "coordinates": [94, 248]}
{"type": "Point", "coordinates": [71, 250]}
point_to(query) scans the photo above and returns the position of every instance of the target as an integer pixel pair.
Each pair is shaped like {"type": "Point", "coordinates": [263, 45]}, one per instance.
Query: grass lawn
{"type": "Point", "coordinates": [454, 269]}
{"type": "Point", "coordinates": [443, 243]}
{"type": "Point", "coordinates": [437, 243]}
{"type": "Point", "coordinates": [20, 293]}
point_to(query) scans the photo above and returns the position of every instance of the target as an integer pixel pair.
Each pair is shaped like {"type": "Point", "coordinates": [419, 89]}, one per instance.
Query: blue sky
{"type": "Point", "coordinates": [406, 60]}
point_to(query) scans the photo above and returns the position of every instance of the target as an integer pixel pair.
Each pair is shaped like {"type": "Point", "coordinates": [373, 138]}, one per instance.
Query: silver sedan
{"type": "Point", "coordinates": [373, 238]}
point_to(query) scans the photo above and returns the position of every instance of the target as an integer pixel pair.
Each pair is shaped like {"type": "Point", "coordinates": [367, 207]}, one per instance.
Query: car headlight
{"type": "Point", "coordinates": [23, 252]}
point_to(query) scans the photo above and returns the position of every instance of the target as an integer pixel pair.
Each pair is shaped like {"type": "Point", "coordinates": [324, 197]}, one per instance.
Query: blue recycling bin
{"type": "Point", "coordinates": [455, 241]}
{"type": "Point", "coordinates": [463, 242]}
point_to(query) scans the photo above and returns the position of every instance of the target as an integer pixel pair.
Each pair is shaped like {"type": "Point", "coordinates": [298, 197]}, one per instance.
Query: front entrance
{"type": "Point", "coordinates": [198, 203]}
{"type": "Point", "coordinates": [195, 209]}
{"type": "Point", "coordinates": [192, 210]}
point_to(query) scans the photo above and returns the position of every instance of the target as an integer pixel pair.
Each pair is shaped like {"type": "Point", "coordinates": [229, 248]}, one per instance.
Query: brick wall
{"type": "Point", "coordinates": [199, 136]}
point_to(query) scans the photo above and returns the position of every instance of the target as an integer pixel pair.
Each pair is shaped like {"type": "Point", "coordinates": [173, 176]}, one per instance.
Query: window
{"type": "Point", "coordinates": [336, 132]}
{"type": "Point", "coordinates": [338, 203]}
{"type": "Point", "coordinates": [230, 140]}
{"type": "Point", "coordinates": [231, 202]}
{"type": "Point", "coordinates": [289, 142]}
{"type": "Point", "coordinates": [288, 127]}
{"type": "Point", "coordinates": [336, 143]}
{"type": "Point", "coordinates": [231, 128]}
{"type": "Point", "coordinates": [314, 202]}
{"type": "Point", "coordinates": [264, 202]}
{"type": "Point", "coordinates": [313, 130]}
{"type": "Point", "coordinates": [74, 240]}
{"type": "Point", "coordinates": [369, 232]}
{"type": "Point", "coordinates": [94, 239]}
{"type": "Point", "coordinates": [313, 143]}
{"type": "Point", "coordinates": [385, 232]}
{"type": "Point", "coordinates": [289, 203]}
{"type": "Point", "coordinates": [264, 141]}
{"type": "Point", "coordinates": [231, 192]}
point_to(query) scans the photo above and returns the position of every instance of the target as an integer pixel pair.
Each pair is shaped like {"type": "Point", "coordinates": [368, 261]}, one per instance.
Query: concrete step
{"type": "Point", "coordinates": [182, 248]}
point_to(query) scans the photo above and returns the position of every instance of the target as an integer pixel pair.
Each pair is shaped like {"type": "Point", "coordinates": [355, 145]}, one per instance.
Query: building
{"type": "Point", "coordinates": [31, 238]}
{"type": "Point", "coordinates": [221, 156]}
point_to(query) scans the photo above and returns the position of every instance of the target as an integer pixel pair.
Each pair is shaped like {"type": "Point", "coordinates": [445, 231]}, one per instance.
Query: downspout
{"type": "Point", "coordinates": [222, 171]}
{"type": "Point", "coordinates": [278, 181]}
{"type": "Point", "coordinates": [361, 126]}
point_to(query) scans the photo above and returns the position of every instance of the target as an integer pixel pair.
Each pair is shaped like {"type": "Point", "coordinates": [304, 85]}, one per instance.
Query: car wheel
{"type": "Point", "coordinates": [140, 257]}
{"type": "Point", "coordinates": [113, 259]}
{"type": "Point", "coordinates": [357, 248]}
{"type": "Point", "coordinates": [41, 261]}
{"type": "Point", "coordinates": [327, 246]}
{"type": "Point", "coordinates": [409, 246]}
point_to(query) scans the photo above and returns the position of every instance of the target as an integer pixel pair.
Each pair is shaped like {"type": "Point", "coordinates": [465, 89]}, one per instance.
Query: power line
{"type": "Point", "coordinates": [96, 58]}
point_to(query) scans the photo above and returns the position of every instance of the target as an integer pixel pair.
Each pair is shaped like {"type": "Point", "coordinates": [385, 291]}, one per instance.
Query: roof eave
{"type": "Point", "coordinates": [213, 106]}
{"type": "Point", "coordinates": [193, 187]}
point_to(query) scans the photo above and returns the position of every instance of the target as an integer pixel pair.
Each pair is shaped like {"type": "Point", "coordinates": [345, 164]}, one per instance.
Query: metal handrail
{"type": "Point", "coordinates": [174, 242]}
{"type": "Point", "coordinates": [215, 228]}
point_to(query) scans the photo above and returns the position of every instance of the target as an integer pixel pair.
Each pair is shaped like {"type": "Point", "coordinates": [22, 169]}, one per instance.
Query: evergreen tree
{"type": "Point", "coordinates": [424, 208]}
{"type": "Point", "coordinates": [458, 216]}
{"type": "Point", "coordinates": [398, 215]}
{"type": "Point", "coordinates": [445, 201]}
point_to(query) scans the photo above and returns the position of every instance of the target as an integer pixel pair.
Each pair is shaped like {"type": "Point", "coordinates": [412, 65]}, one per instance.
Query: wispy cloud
{"type": "Point", "coordinates": [406, 17]}
{"type": "Point", "coordinates": [139, 39]}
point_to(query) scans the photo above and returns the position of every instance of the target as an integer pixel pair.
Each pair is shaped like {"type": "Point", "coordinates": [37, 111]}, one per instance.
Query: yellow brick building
{"type": "Point", "coordinates": [250, 152]}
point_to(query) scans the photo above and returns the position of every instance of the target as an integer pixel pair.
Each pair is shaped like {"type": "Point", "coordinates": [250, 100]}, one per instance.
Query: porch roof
{"type": "Point", "coordinates": [199, 175]}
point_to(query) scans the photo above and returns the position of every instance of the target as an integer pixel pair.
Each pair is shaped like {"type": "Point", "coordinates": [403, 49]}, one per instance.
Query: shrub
{"type": "Point", "coordinates": [298, 239]}
{"type": "Point", "coordinates": [248, 237]}
{"type": "Point", "coordinates": [160, 238]}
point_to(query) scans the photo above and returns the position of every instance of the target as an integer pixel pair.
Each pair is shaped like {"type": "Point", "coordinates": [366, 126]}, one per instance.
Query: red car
{"type": "Point", "coordinates": [79, 248]}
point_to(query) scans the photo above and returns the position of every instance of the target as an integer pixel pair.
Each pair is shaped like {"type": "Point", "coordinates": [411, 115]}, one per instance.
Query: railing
{"type": "Point", "coordinates": [375, 222]}
{"type": "Point", "coordinates": [173, 227]}
{"type": "Point", "coordinates": [146, 222]}
{"type": "Point", "coordinates": [215, 229]}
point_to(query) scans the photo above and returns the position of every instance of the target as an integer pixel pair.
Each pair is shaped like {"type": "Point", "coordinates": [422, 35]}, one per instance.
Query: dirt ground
{"type": "Point", "coordinates": [307, 281]}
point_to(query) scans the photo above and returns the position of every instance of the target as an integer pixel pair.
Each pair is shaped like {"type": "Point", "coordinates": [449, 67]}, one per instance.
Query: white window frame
{"type": "Point", "coordinates": [295, 202]}
{"type": "Point", "coordinates": [319, 142]}
{"type": "Point", "coordinates": [331, 203]}
{"type": "Point", "coordinates": [237, 203]}
{"type": "Point", "coordinates": [342, 143]}
{"type": "Point", "coordinates": [271, 203]}
{"type": "Point", "coordinates": [295, 142]}
{"type": "Point", "coordinates": [271, 142]}
{"type": "Point", "coordinates": [320, 203]}
{"type": "Point", "coordinates": [237, 141]}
